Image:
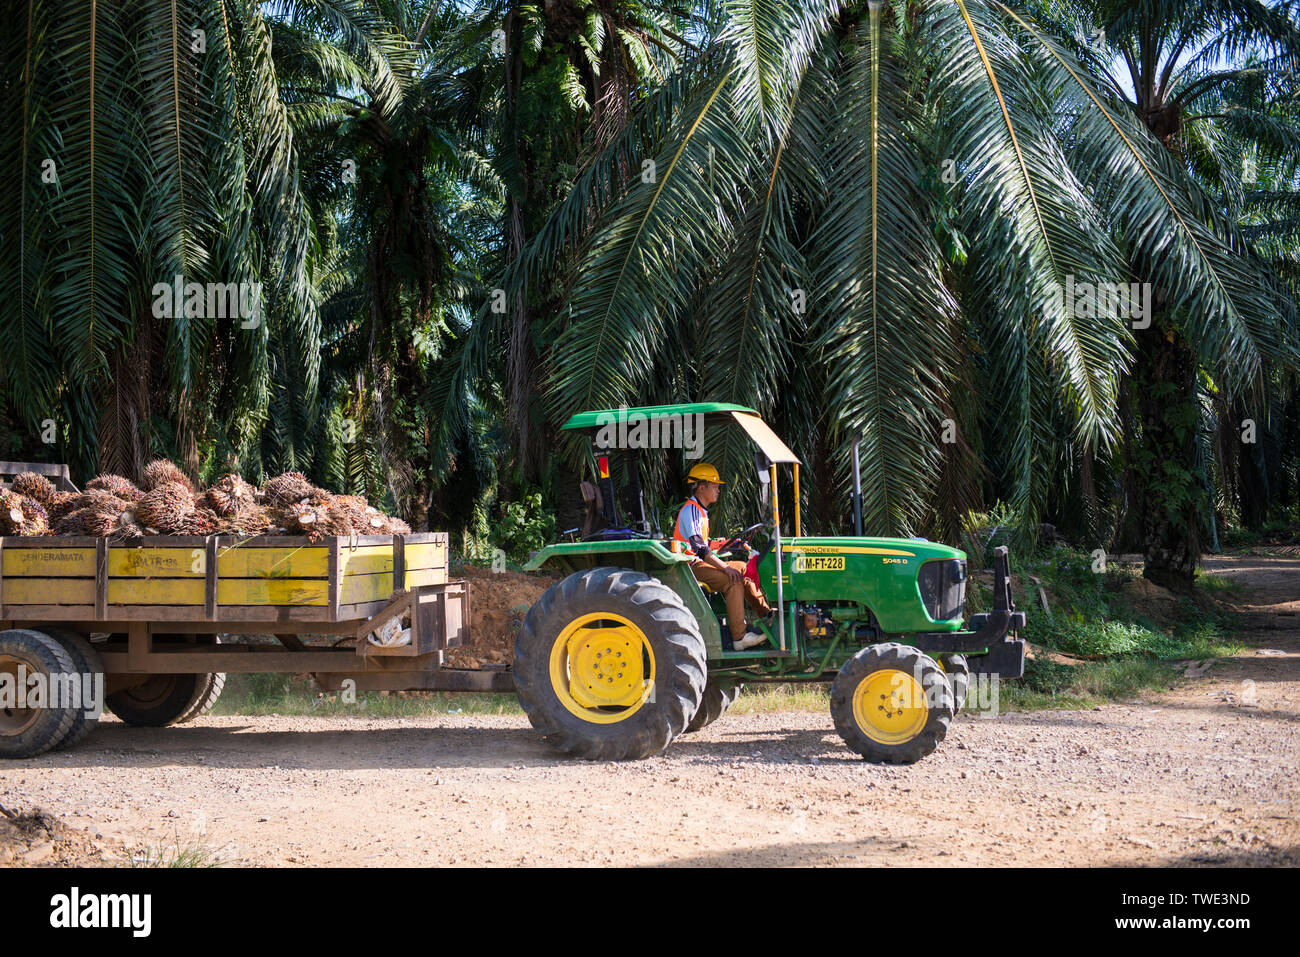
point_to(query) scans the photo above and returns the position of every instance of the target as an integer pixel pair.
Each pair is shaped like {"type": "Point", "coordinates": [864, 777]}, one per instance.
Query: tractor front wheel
{"type": "Point", "coordinates": [958, 671]}
{"type": "Point", "coordinates": [609, 665]}
{"type": "Point", "coordinates": [891, 703]}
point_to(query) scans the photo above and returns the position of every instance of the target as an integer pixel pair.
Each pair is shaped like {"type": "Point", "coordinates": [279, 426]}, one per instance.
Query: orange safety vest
{"type": "Point", "coordinates": [682, 544]}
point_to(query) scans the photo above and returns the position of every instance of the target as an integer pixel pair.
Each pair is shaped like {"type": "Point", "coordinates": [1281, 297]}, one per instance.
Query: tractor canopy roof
{"type": "Point", "coordinates": [715, 413]}
{"type": "Point", "coordinates": [598, 417]}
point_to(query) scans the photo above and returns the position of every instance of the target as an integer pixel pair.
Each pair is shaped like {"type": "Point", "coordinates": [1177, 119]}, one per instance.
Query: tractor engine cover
{"type": "Point", "coordinates": [908, 585]}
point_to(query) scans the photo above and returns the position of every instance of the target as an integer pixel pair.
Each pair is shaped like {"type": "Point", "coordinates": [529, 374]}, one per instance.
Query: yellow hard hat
{"type": "Point", "coordinates": [704, 472]}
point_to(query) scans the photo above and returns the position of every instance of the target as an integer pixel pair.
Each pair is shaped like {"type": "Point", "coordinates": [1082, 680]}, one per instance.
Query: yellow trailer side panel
{"type": "Point", "coordinates": [303, 562]}
{"type": "Point", "coordinates": [50, 562]}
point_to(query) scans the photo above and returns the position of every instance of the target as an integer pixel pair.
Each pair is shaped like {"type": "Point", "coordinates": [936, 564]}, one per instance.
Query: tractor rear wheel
{"type": "Point", "coordinates": [717, 699]}
{"type": "Point", "coordinates": [29, 727]}
{"type": "Point", "coordinates": [891, 703]}
{"type": "Point", "coordinates": [958, 671]}
{"type": "Point", "coordinates": [609, 665]}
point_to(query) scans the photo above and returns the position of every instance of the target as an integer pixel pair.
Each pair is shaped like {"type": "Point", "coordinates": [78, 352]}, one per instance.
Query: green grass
{"type": "Point", "coordinates": [1133, 645]}
{"type": "Point", "coordinates": [768, 698]}
{"type": "Point", "coordinates": [175, 854]}
{"type": "Point", "coordinates": [265, 694]}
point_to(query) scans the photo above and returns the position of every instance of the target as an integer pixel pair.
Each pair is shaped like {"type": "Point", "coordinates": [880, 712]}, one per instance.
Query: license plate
{"type": "Point", "coordinates": [819, 563]}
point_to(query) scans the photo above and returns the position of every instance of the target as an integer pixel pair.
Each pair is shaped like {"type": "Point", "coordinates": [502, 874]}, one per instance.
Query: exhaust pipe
{"type": "Point", "coordinates": [857, 492]}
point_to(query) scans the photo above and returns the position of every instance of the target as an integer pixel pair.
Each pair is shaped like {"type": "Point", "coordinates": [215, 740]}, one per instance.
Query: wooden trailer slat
{"type": "Point", "coordinates": [49, 562]}
{"type": "Point", "coordinates": [30, 591]}
{"type": "Point", "coordinates": [272, 591]}
{"type": "Point", "coordinates": [366, 587]}
{"type": "Point", "coordinates": [301, 562]}
{"type": "Point", "coordinates": [265, 614]}
{"type": "Point", "coordinates": [156, 562]}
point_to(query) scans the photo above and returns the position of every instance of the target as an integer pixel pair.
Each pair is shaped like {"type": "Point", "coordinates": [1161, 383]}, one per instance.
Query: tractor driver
{"type": "Point", "coordinates": [691, 537]}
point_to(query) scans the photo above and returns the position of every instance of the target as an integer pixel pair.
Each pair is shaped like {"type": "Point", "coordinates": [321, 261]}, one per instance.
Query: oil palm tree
{"type": "Point", "coordinates": [401, 176]}
{"type": "Point", "coordinates": [923, 178]}
{"type": "Point", "coordinates": [1216, 85]}
{"type": "Point", "coordinates": [151, 141]}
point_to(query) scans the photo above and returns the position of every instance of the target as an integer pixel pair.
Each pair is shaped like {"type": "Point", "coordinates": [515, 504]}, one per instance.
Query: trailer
{"type": "Point", "coordinates": [159, 621]}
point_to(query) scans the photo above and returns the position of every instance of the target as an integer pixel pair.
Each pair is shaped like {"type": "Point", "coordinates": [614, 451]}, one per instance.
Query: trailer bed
{"type": "Point", "coordinates": [217, 579]}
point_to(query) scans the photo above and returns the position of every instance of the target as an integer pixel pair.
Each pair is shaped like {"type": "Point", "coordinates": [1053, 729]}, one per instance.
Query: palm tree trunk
{"type": "Point", "coordinates": [1169, 497]}
{"type": "Point", "coordinates": [1252, 479]}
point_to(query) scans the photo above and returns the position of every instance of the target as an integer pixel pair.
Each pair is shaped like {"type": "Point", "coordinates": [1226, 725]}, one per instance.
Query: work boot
{"type": "Point", "coordinates": [750, 639]}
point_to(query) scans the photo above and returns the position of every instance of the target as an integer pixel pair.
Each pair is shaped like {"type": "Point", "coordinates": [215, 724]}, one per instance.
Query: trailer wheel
{"type": "Point", "coordinates": [212, 686]}
{"type": "Point", "coordinates": [715, 703]}
{"type": "Point", "coordinates": [958, 671]}
{"type": "Point", "coordinates": [85, 661]}
{"type": "Point", "coordinates": [207, 699]}
{"type": "Point", "coordinates": [28, 731]}
{"type": "Point", "coordinates": [891, 703]}
{"type": "Point", "coordinates": [609, 665]}
{"type": "Point", "coordinates": [160, 701]}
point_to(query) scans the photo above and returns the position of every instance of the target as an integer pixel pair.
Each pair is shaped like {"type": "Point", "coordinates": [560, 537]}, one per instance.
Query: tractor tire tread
{"type": "Point", "coordinates": [680, 675]}
{"type": "Point", "coordinates": [900, 657]}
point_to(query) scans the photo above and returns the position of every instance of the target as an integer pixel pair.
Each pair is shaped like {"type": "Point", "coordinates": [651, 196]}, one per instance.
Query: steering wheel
{"type": "Point", "coordinates": [741, 538]}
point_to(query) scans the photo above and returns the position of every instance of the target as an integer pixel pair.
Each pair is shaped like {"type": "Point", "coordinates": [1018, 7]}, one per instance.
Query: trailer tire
{"type": "Point", "coordinates": [27, 732]}
{"type": "Point", "coordinates": [891, 703]}
{"type": "Point", "coordinates": [85, 661]}
{"type": "Point", "coordinates": [160, 701]}
{"type": "Point", "coordinates": [213, 685]}
{"type": "Point", "coordinates": [715, 703]}
{"type": "Point", "coordinates": [634, 612]}
{"type": "Point", "coordinates": [207, 699]}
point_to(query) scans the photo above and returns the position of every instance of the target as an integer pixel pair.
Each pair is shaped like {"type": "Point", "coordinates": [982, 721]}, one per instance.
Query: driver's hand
{"type": "Point", "coordinates": [735, 574]}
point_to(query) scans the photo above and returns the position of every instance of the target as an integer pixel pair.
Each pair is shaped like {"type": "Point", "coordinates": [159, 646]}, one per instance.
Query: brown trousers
{"type": "Point", "coordinates": [735, 593]}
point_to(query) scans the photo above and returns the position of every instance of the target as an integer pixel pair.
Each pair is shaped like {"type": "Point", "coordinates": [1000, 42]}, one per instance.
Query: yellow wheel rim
{"type": "Point", "coordinates": [890, 707]}
{"type": "Point", "coordinates": [602, 668]}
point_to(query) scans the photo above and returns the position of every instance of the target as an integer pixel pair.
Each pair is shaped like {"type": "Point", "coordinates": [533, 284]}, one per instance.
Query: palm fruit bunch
{"type": "Point", "coordinates": [161, 472]}
{"type": "Point", "coordinates": [290, 488]}
{"type": "Point", "coordinates": [61, 503]}
{"type": "Point", "coordinates": [36, 487]}
{"type": "Point", "coordinates": [318, 513]}
{"type": "Point", "coordinates": [20, 515]}
{"type": "Point", "coordinates": [95, 512]}
{"type": "Point", "coordinates": [199, 521]}
{"type": "Point", "coordinates": [167, 504]}
{"type": "Point", "coordinates": [123, 488]}
{"type": "Point", "coordinates": [253, 520]}
{"type": "Point", "coordinates": [231, 494]}
{"type": "Point", "coordinates": [165, 509]}
{"type": "Point", "coordinates": [40, 490]}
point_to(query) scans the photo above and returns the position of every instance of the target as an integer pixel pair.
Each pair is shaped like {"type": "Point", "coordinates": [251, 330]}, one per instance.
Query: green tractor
{"type": "Point", "coordinates": [628, 651]}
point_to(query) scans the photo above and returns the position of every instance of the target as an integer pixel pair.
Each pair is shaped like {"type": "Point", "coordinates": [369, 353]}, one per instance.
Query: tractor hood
{"type": "Point", "coordinates": [882, 574]}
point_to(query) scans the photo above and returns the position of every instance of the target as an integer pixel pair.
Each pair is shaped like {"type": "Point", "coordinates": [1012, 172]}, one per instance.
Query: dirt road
{"type": "Point", "coordinates": [1206, 774]}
